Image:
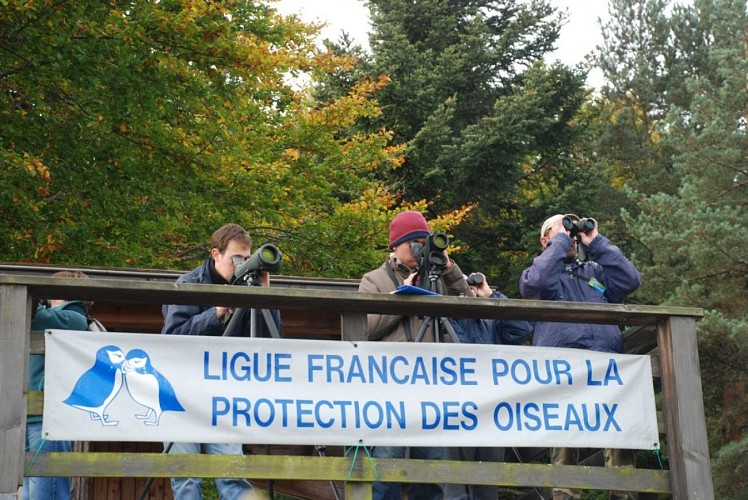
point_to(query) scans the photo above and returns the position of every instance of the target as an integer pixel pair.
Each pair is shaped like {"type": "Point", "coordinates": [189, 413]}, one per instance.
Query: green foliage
{"type": "Point", "coordinates": [675, 111]}
{"type": "Point", "coordinates": [131, 131]}
{"type": "Point", "coordinates": [478, 111]}
{"type": "Point", "coordinates": [730, 470]}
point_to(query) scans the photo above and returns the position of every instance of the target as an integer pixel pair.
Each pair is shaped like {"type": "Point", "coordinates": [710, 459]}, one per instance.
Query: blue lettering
{"type": "Point", "coordinates": [279, 367]}
{"type": "Point", "coordinates": [270, 412]}
{"type": "Point", "coordinates": [548, 416]}
{"type": "Point", "coordinates": [419, 372]}
{"type": "Point", "coordinates": [449, 376]}
{"type": "Point", "coordinates": [313, 366]}
{"type": "Point", "coordinates": [379, 414]}
{"type": "Point", "coordinates": [572, 418]}
{"type": "Point", "coordinates": [356, 371]}
{"type": "Point", "coordinates": [531, 412]}
{"type": "Point", "coordinates": [586, 417]}
{"type": "Point", "coordinates": [467, 368]}
{"type": "Point", "coordinates": [343, 418]}
{"type": "Point", "coordinates": [509, 416]}
{"type": "Point", "coordinates": [220, 408]}
{"type": "Point", "coordinates": [245, 373]}
{"type": "Point", "coordinates": [285, 403]}
{"type": "Point", "coordinates": [500, 369]}
{"type": "Point", "coordinates": [398, 360]}
{"type": "Point", "coordinates": [241, 407]}
{"type": "Point", "coordinates": [562, 367]}
{"type": "Point", "coordinates": [609, 414]}
{"type": "Point", "coordinates": [335, 364]}
{"type": "Point", "coordinates": [380, 369]}
{"type": "Point", "coordinates": [612, 373]}
{"type": "Point", "coordinates": [549, 375]}
{"type": "Point", "coordinates": [302, 411]}
{"type": "Point", "coordinates": [393, 413]}
{"type": "Point", "coordinates": [206, 368]}
{"type": "Point", "coordinates": [450, 415]}
{"type": "Point", "coordinates": [317, 415]}
{"type": "Point", "coordinates": [526, 367]}
{"type": "Point", "coordinates": [589, 374]}
{"type": "Point", "coordinates": [425, 423]}
{"type": "Point", "coordinates": [471, 421]}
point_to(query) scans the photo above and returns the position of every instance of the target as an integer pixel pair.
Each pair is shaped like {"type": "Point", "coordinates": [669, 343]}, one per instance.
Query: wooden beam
{"type": "Point", "coordinates": [15, 325]}
{"type": "Point", "coordinates": [336, 301]}
{"type": "Point", "coordinates": [684, 410]}
{"type": "Point", "coordinates": [339, 469]}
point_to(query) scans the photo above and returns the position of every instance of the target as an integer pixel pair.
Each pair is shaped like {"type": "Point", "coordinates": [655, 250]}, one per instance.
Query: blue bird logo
{"type": "Point", "coordinates": [148, 387]}
{"type": "Point", "coordinates": [99, 385]}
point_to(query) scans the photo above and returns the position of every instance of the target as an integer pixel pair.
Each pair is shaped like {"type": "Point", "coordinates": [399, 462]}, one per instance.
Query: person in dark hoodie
{"type": "Point", "coordinates": [558, 274]}
{"type": "Point", "coordinates": [57, 314]}
{"type": "Point", "coordinates": [229, 242]}
{"type": "Point", "coordinates": [482, 331]}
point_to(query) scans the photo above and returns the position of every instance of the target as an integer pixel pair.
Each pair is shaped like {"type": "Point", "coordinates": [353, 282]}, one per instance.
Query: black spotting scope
{"type": "Point", "coordinates": [267, 258]}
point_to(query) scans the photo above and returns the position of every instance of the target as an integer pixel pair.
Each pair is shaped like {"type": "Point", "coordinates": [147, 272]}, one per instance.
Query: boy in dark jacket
{"type": "Point", "coordinates": [482, 331]}
{"type": "Point", "coordinates": [53, 314]}
{"type": "Point", "coordinates": [228, 242]}
{"type": "Point", "coordinates": [557, 274]}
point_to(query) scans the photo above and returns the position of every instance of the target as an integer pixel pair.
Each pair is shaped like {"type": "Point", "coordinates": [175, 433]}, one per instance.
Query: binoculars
{"type": "Point", "coordinates": [476, 279]}
{"type": "Point", "coordinates": [577, 226]}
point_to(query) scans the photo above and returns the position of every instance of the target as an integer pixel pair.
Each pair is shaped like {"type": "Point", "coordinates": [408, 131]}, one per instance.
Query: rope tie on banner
{"type": "Point", "coordinates": [656, 453]}
{"type": "Point", "coordinates": [36, 454]}
{"type": "Point", "coordinates": [355, 455]}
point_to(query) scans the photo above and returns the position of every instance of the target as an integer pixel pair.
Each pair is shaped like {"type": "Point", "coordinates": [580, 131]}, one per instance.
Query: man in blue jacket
{"type": "Point", "coordinates": [557, 274]}
{"type": "Point", "coordinates": [482, 331]}
{"type": "Point", "coordinates": [57, 314]}
{"type": "Point", "coordinates": [229, 242]}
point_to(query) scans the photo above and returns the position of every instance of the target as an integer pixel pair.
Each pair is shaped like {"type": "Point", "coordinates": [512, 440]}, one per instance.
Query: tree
{"type": "Point", "coordinates": [689, 194]}
{"type": "Point", "coordinates": [475, 107]}
{"type": "Point", "coordinates": [131, 130]}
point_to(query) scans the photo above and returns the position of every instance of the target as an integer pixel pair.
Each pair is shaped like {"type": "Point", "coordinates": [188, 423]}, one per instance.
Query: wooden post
{"type": "Point", "coordinates": [15, 328]}
{"type": "Point", "coordinates": [353, 326]}
{"type": "Point", "coordinates": [684, 409]}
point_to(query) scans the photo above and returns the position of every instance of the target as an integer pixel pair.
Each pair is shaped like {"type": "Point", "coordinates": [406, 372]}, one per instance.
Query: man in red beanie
{"type": "Point", "coordinates": [401, 269]}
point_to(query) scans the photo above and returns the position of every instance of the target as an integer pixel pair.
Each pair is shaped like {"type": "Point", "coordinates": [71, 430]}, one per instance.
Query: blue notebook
{"type": "Point", "coordinates": [413, 290]}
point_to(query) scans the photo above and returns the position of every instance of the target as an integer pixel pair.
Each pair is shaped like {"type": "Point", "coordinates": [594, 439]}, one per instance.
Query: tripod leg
{"type": "Point", "coordinates": [422, 330]}
{"type": "Point", "coordinates": [253, 322]}
{"type": "Point", "coordinates": [272, 328]}
{"type": "Point", "coordinates": [450, 330]}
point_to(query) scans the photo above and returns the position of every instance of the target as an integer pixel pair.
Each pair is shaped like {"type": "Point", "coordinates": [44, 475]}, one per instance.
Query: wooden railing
{"type": "Point", "coordinates": [689, 476]}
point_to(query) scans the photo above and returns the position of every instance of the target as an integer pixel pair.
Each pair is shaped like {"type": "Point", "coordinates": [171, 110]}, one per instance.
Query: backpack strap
{"type": "Point", "coordinates": [94, 325]}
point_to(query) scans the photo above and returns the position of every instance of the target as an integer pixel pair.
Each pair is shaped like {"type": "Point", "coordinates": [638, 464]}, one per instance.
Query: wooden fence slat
{"type": "Point", "coordinates": [339, 469]}
{"type": "Point", "coordinates": [15, 323]}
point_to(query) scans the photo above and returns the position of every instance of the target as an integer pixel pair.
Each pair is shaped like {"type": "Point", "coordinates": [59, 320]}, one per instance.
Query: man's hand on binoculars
{"type": "Point", "coordinates": [411, 280]}
{"type": "Point", "coordinates": [587, 237]}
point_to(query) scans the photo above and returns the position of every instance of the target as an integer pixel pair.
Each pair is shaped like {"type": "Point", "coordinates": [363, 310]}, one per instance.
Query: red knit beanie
{"type": "Point", "coordinates": [406, 226]}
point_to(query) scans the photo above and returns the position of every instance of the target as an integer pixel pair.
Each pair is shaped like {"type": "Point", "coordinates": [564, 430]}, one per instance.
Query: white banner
{"type": "Point", "coordinates": [135, 387]}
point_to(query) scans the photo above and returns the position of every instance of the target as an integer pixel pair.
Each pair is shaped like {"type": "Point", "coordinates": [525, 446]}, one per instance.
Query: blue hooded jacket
{"type": "Point", "coordinates": [551, 277]}
{"type": "Point", "coordinates": [202, 320]}
{"type": "Point", "coordinates": [71, 315]}
{"type": "Point", "coordinates": [491, 331]}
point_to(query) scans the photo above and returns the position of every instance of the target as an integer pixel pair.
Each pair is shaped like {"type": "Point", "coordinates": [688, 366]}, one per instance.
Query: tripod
{"type": "Point", "coordinates": [438, 323]}
{"type": "Point", "coordinates": [243, 316]}
{"type": "Point", "coordinates": [239, 318]}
